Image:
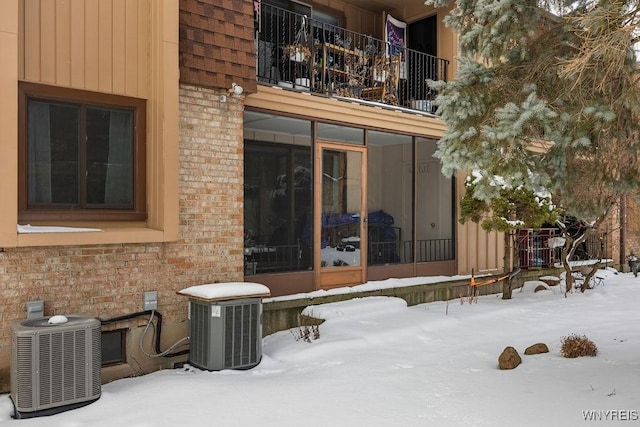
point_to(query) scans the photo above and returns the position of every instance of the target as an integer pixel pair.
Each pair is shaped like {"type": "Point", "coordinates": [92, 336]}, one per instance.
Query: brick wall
{"type": "Point", "coordinates": [632, 229]}
{"type": "Point", "coordinates": [631, 225]}
{"type": "Point", "coordinates": [612, 227]}
{"type": "Point", "coordinates": [108, 280]}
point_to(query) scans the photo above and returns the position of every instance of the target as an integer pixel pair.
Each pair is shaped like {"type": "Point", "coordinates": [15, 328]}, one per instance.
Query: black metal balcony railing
{"type": "Point", "coordinates": [307, 55]}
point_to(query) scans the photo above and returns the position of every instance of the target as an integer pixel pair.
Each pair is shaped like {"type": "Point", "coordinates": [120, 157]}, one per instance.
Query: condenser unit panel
{"type": "Point", "coordinates": [225, 334]}
{"type": "Point", "coordinates": [54, 367]}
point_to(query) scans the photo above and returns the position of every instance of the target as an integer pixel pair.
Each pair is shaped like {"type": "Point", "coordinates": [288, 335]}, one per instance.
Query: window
{"type": "Point", "coordinates": [82, 155]}
{"type": "Point", "coordinates": [114, 347]}
{"type": "Point", "coordinates": [435, 206]}
{"type": "Point", "coordinates": [390, 198]}
{"type": "Point", "coordinates": [278, 208]}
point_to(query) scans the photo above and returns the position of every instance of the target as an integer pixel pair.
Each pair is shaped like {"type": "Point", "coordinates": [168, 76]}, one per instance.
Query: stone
{"type": "Point", "coordinates": [537, 349]}
{"type": "Point", "coordinates": [540, 288]}
{"type": "Point", "coordinates": [509, 358]}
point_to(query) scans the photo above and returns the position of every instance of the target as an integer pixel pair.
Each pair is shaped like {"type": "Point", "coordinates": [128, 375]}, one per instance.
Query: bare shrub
{"type": "Point", "coordinates": [471, 297]}
{"type": "Point", "coordinates": [306, 330]}
{"type": "Point", "coordinates": [577, 346]}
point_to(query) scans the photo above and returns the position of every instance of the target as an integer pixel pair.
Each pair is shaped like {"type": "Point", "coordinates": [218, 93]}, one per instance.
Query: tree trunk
{"type": "Point", "coordinates": [587, 279]}
{"type": "Point", "coordinates": [567, 252]}
{"type": "Point", "coordinates": [506, 289]}
{"type": "Point", "coordinates": [509, 262]}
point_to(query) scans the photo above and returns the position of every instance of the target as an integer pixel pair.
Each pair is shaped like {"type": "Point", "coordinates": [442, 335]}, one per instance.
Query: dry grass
{"type": "Point", "coordinates": [471, 297]}
{"type": "Point", "coordinates": [306, 330]}
{"type": "Point", "coordinates": [576, 346]}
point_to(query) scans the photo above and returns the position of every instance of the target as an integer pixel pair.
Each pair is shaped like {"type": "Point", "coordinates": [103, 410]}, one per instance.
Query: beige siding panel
{"type": "Point", "coordinates": [330, 109]}
{"type": "Point", "coordinates": [47, 41]}
{"type": "Point", "coordinates": [492, 250]}
{"type": "Point", "coordinates": [9, 126]}
{"type": "Point", "coordinates": [447, 45]}
{"type": "Point", "coordinates": [168, 212]}
{"type": "Point", "coordinates": [31, 40]}
{"type": "Point", "coordinates": [63, 42]}
{"type": "Point", "coordinates": [370, 23]}
{"type": "Point", "coordinates": [131, 48]}
{"type": "Point", "coordinates": [168, 197]}
{"type": "Point", "coordinates": [352, 15]}
{"type": "Point", "coordinates": [105, 46]}
{"type": "Point", "coordinates": [463, 253]}
{"type": "Point", "coordinates": [171, 25]}
{"type": "Point", "coordinates": [481, 248]}
{"type": "Point", "coordinates": [118, 48]}
{"type": "Point", "coordinates": [91, 50]}
{"type": "Point", "coordinates": [20, 24]}
{"type": "Point", "coordinates": [498, 249]}
{"type": "Point", "coordinates": [154, 122]}
{"type": "Point", "coordinates": [144, 53]}
{"type": "Point", "coordinates": [8, 17]}
{"type": "Point", "coordinates": [92, 45]}
{"type": "Point", "coordinates": [471, 250]}
{"type": "Point", "coordinates": [478, 250]}
{"type": "Point", "coordinates": [77, 19]}
{"type": "Point", "coordinates": [414, 12]}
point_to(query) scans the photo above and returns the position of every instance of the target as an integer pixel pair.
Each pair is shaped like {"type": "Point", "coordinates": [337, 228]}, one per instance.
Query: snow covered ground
{"type": "Point", "coordinates": [380, 363]}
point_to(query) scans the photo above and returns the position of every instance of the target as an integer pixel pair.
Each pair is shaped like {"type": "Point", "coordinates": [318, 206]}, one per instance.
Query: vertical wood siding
{"type": "Point", "coordinates": [123, 47]}
{"type": "Point", "coordinates": [98, 45]}
{"type": "Point", "coordinates": [477, 249]}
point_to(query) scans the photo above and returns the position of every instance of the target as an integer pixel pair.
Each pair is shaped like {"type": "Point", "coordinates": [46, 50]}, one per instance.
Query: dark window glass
{"type": "Point", "coordinates": [109, 157]}
{"type": "Point", "coordinates": [113, 347]}
{"type": "Point", "coordinates": [53, 168]}
{"type": "Point", "coordinates": [54, 159]}
{"type": "Point", "coordinates": [278, 200]}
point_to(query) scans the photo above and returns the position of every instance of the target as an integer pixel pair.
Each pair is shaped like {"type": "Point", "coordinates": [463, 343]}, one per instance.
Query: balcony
{"type": "Point", "coordinates": [302, 54]}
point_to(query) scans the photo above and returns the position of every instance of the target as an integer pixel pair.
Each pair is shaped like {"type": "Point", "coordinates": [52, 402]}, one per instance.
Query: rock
{"type": "Point", "coordinates": [509, 358]}
{"type": "Point", "coordinates": [540, 288]}
{"type": "Point", "coordinates": [537, 349]}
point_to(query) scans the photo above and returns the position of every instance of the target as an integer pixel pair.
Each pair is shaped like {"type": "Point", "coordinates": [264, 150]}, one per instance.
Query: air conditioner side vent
{"type": "Point", "coordinates": [55, 367]}
{"type": "Point", "coordinates": [226, 334]}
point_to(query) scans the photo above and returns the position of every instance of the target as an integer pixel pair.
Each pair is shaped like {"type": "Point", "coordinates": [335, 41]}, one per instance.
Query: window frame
{"type": "Point", "coordinates": [40, 92]}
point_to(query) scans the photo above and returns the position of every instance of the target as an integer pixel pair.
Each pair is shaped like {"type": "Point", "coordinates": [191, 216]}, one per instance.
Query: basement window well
{"type": "Point", "coordinates": [114, 347]}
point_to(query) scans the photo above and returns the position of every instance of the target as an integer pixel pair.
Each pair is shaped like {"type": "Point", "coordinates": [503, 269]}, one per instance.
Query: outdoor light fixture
{"type": "Point", "coordinates": [235, 90]}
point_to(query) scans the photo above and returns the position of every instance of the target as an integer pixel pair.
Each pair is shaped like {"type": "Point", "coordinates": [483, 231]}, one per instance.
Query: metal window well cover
{"type": "Point", "coordinates": [55, 367]}
{"type": "Point", "coordinates": [225, 325]}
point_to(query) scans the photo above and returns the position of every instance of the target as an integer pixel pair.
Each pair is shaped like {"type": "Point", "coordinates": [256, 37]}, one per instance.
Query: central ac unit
{"type": "Point", "coordinates": [55, 366]}
{"type": "Point", "coordinates": [225, 334]}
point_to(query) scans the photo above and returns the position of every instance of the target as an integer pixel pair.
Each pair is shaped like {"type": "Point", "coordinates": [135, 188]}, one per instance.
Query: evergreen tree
{"type": "Point", "coordinates": [545, 101]}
